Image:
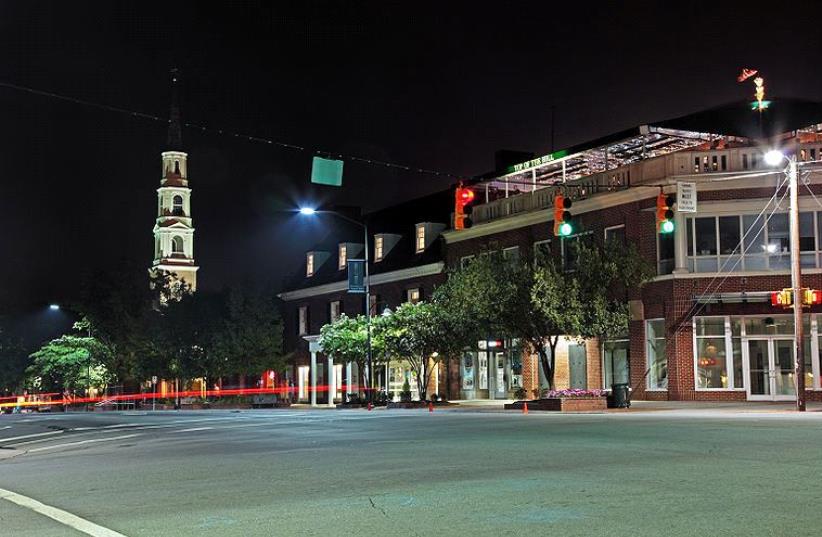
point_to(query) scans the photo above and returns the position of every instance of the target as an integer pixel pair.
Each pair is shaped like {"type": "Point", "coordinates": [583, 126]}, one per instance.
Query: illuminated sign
{"type": "Point", "coordinates": [537, 161]}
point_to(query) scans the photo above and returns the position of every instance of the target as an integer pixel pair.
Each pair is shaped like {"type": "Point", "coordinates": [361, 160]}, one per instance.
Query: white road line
{"type": "Point", "coordinates": [69, 444]}
{"type": "Point", "coordinates": [13, 438]}
{"type": "Point", "coordinates": [193, 429]}
{"type": "Point", "coordinates": [63, 517]}
{"type": "Point", "coordinates": [6, 427]}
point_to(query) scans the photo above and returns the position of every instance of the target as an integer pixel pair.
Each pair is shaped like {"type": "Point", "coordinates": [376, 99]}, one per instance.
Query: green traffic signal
{"type": "Point", "coordinates": [565, 229]}
{"type": "Point", "coordinates": [667, 227]}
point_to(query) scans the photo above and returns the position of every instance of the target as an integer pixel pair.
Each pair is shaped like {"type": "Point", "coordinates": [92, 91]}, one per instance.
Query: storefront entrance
{"type": "Point", "coordinates": [770, 369]}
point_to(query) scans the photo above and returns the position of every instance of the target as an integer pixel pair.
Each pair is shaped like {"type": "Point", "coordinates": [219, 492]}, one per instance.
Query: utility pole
{"type": "Point", "coordinates": [796, 275]}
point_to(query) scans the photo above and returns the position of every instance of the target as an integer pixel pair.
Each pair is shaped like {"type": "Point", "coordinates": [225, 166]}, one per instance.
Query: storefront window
{"type": "Point", "coordinates": [711, 353]}
{"type": "Point", "coordinates": [657, 359]}
{"type": "Point", "coordinates": [736, 345]}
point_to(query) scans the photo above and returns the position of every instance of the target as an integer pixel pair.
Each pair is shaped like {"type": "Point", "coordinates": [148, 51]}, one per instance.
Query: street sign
{"type": "Point", "coordinates": [326, 171]}
{"type": "Point", "coordinates": [356, 275]}
{"type": "Point", "coordinates": [686, 197]}
{"type": "Point", "coordinates": [154, 379]}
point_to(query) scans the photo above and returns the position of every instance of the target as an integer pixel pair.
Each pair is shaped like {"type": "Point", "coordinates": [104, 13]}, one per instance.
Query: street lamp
{"type": "Point", "coordinates": [310, 211]}
{"type": "Point", "coordinates": [54, 307]}
{"type": "Point", "coordinates": [775, 157]}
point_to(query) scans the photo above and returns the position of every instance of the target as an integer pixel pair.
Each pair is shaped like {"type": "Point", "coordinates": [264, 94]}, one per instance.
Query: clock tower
{"type": "Point", "coordinates": [173, 229]}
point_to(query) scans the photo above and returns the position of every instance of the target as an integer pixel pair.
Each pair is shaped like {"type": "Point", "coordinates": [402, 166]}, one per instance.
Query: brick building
{"type": "Point", "coordinates": [406, 264]}
{"type": "Point", "coordinates": [702, 329]}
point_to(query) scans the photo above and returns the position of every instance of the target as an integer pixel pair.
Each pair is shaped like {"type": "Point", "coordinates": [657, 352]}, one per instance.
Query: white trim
{"type": "Point", "coordinates": [376, 279]}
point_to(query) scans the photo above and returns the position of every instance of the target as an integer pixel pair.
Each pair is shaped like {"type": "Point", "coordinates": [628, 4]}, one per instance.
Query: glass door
{"type": "Point", "coordinates": [770, 370]}
{"type": "Point", "coordinates": [782, 364]}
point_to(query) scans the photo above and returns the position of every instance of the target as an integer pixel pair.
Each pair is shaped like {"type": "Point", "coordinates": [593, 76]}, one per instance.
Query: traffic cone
{"type": "Point", "coordinates": [525, 407]}
{"type": "Point", "coordinates": [430, 406]}
{"type": "Point", "coordinates": [370, 406]}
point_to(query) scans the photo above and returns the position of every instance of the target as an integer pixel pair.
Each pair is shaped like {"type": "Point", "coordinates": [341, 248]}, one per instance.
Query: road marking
{"type": "Point", "coordinates": [193, 429]}
{"type": "Point", "coordinates": [6, 427]}
{"type": "Point", "coordinates": [68, 444]}
{"type": "Point", "coordinates": [63, 517]}
{"type": "Point", "coordinates": [13, 438]}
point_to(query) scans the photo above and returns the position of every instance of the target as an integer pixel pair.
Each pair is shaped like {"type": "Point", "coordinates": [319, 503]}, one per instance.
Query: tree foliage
{"type": "Point", "coordinates": [346, 340]}
{"type": "Point", "coordinates": [70, 362]}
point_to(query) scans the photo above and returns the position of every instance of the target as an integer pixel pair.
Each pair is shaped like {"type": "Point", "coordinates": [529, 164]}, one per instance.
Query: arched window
{"type": "Point", "coordinates": [177, 245]}
{"type": "Point", "coordinates": [177, 167]}
{"type": "Point", "coordinates": [177, 204]}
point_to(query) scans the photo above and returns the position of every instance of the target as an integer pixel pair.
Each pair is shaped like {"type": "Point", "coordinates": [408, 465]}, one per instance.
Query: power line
{"type": "Point", "coordinates": [237, 135]}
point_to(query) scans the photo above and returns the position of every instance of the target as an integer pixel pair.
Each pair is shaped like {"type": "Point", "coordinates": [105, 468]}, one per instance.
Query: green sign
{"type": "Point", "coordinates": [356, 275]}
{"type": "Point", "coordinates": [537, 161]}
{"type": "Point", "coordinates": [325, 171]}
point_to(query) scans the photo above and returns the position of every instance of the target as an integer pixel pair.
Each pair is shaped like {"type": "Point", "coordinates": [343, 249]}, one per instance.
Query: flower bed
{"type": "Point", "coordinates": [566, 401]}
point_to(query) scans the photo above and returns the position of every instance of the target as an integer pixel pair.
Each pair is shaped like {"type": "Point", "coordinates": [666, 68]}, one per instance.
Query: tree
{"type": "Point", "coordinates": [589, 301]}
{"type": "Point", "coordinates": [346, 340]}
{"type": "Point", "coordinates": [13, 362]}
{"type": "Point", "coordinates": [419, 334]}
{"type": "Point", "coordinates": [249, 334]}
{"type": "Point", "coordinates": [70, 362]}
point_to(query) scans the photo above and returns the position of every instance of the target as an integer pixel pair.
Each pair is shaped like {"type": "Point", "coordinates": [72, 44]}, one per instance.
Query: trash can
{"type": "Point", "coordinates": [619, 396]}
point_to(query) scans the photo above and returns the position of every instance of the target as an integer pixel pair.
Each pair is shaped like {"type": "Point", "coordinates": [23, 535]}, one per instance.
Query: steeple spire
{"type": "Point", "coordinates": [175, 125]}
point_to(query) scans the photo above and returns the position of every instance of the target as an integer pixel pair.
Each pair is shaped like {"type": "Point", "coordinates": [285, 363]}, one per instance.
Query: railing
{"type": "Point", "coordinates": [543, 197]}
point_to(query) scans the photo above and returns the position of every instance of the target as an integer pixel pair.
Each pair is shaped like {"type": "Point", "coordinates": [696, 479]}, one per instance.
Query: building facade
{"type": "Point", "coordinates": [702, 329]}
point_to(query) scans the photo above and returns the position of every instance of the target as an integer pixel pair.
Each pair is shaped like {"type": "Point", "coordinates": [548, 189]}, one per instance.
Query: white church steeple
{"type": "Point", "coordinates": [173, 230]}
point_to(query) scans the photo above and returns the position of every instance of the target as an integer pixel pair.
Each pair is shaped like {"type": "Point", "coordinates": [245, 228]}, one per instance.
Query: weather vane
{"type": "Point", "coordinates": [759, 88]}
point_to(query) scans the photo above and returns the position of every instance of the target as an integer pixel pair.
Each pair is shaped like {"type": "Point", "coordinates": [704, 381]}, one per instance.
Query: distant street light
{"type": "Point", "coordinates": [310, 211]}
{"type": "Point", "coordinates": [54, 307]}
{"type": "Point", "coordinates": [775, 157]}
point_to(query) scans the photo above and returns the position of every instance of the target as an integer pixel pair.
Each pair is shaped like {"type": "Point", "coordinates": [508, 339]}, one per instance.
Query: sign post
{"type": "Point", "coordinates": [154, 392]}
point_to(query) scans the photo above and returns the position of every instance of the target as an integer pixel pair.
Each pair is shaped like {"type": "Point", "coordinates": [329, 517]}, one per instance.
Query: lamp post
{"type": "Point", "coordinates": [309, 211]}
{"type": "Point", "coordinates": [774, 158]}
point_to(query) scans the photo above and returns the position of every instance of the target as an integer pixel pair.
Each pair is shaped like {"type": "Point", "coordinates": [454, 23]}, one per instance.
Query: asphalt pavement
{"type": "Point", "coordinates": [410, 472]}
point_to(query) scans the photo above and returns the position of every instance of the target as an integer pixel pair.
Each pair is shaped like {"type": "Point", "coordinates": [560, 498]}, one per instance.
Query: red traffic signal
{"type": "Point", "coordinates": [462, 209]}
{"type": "Point", "coordinates": [562, 217]}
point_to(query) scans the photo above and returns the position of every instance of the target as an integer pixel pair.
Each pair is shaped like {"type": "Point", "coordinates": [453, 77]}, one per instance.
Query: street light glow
{"type": "Point", "coordinates": [773, 157]}
{"type": "Point", "coordinates": [54, 307]}
{"type": "Point", "coordinates": [308, 211]}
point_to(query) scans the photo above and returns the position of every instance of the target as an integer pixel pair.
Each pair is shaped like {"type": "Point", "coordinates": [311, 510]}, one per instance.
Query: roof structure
{"type": "Point", "coordinates": [735, 123]}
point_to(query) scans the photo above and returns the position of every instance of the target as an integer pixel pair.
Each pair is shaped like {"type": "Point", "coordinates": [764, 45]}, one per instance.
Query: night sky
{"type": "Point", "coordinates": [439, 85]}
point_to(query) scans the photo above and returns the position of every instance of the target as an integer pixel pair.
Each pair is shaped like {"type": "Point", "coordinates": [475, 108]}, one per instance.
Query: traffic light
{"type": "Point", "coordinates": [462, 207]}
{"type": "Point", "coordinates": [562, 218]}
{"type": "Point", "coordinates": [664, 213]}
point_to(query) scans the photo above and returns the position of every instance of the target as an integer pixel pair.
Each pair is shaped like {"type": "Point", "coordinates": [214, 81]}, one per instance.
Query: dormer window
{"type": "Point", "coordinates": [378, 248]}
{"type": "Point", "coordinates": [343, 256]}
{"type": "Point", "coordinates": [420, 238]}
{"type": "Point", "coordinates": [309, 264]}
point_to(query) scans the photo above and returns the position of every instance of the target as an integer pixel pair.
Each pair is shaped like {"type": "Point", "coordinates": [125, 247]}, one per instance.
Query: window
{"type": "Point", "coordinates": [309, 264]}
{"type": "Point", "coordinates": [615, 234]}
{"type": "Point", "coordinates": [343, 256]}
{"type": "Point", "coordinates": [665, 250]}
{"type": "Point", "coordinates": [334, 310]}
{"type": "Point", "coordinates": [657, 359]}
{"type": "Point", "coordinates": [177, 245]}
{"type": "Point", "coordinates": [464, 261]}
{"type": "Point", "coordinates": [511, 254]}
{"type": "Point", "coordinates": [749, 243]}
{"type": "Point", "coordinates": [711, 353]}
{"type": "Point", "coordinates": [413, 295]}
{"type": "Point", "coordinates": [420, 242]}
{"type": "Point", "coordinates": [302, 321]}
{"type": "Point", "coordinates": [542, 251]}
{"type": "Point", "coordinates": [744, 161]}
{"type": "Point", "coordinates": [177, 205]}
{"type": "Point", "coordinates": [616, 367]}
{"type": "Point", "coordinates": [176, 167]}
{"type": "Point", "coordinates": [378, 248]}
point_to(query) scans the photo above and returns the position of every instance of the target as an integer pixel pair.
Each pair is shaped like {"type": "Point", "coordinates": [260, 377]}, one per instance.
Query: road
{"type": "Point", "coordinates": [408, 472]}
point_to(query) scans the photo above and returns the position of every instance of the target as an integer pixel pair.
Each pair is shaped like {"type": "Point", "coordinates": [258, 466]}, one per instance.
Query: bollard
{"type": "Point", "coordinates": [370, 406]}
{"type": "Point", "coordinates": [525, 407]}
{"type": "Point", "coordinates": [430, 406]}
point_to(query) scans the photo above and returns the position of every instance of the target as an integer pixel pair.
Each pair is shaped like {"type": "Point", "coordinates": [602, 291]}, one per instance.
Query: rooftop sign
{"type": "Point", "coordinates": [537, 161]}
